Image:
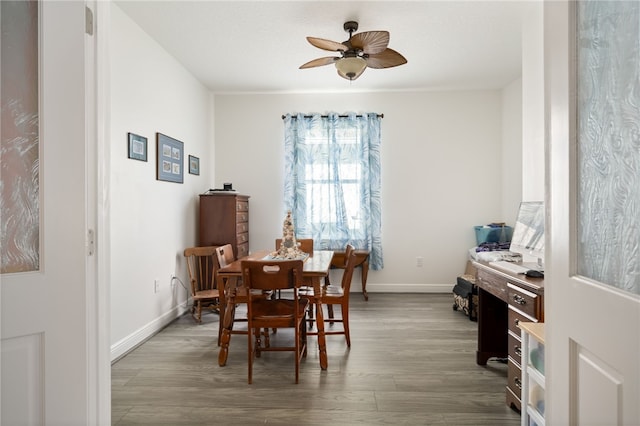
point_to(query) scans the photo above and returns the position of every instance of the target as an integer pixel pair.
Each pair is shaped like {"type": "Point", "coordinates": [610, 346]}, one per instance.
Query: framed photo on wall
{"type": "Point", "coordinates": [194, 165]}
{"type": "Point", "coordinates": [170, 153]}
{"type": "Point", "coordinates": [137, 147]}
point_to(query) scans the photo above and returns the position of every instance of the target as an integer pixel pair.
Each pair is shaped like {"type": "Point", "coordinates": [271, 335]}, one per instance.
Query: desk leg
{"type": "Point", "coordinates": [365, 272]}
{"type": "Point", "coordinates": [322, 342]}
{"type": "Point", "coordinates": [492, 328]}
{"type": "Point", "coordinates": [227, 324]}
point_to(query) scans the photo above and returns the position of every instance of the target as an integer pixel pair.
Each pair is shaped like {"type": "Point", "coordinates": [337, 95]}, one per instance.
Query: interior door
{"type": "Point", "coordinates": [47, 369]}
{"type": "Point", "coordinates": [592, 297]}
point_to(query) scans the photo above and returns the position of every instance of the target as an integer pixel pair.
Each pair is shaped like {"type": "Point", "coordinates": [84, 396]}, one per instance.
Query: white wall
{"type": "Point", "coordinates": [151, 221]}
{"type": "Point", "coordinates": [441, 164]}
{"type": "Point", "coordinates": [511, 150]}
{"type": "Point", "coordinates": [533, 160]}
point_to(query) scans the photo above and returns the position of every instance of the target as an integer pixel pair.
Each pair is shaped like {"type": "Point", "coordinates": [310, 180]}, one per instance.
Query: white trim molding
{"type": "Point", "coordinates": [408, 288]}
{"type": "Point", "coordinates": [129, 343]}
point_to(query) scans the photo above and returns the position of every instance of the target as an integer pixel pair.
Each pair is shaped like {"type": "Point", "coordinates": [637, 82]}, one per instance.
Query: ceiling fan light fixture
{"type": "Point", "coordinates": [364, 50]}
{"type": "Point", "coordinates": [351, 66]}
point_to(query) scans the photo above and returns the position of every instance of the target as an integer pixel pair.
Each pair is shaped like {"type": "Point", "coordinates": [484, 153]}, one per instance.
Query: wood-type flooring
{"type": "Point", "coordinates": [411, 362]}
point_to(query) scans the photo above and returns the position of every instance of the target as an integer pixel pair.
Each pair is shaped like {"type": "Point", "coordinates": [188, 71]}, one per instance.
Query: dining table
{"type": "Point", "coordinates": [315, 269]}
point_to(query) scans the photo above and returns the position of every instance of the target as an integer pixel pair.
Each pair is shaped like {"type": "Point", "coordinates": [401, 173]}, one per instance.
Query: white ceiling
{"type": "Point", "coordinates": [257, 46]}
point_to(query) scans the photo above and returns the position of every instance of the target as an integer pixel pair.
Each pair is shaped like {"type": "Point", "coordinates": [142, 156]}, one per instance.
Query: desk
{"type": "Point", "coordinates": [362, 261]}
{"type": "Point", "coordinates": [505, 299]}
{"type": "Point", "coordinates": [315, 268]}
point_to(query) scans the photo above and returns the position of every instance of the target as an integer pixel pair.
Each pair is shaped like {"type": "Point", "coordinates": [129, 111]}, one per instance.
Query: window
{"type": "Point", "coordinates": [332, 180]}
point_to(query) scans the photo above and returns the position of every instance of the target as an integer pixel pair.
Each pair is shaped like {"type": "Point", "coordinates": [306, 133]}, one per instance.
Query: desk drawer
{"type": "Point", "coordinates": [492, 283]}
{"type": "Point", "coordinates": [242, 205]}
{"type": "Point", "coordinates": [243, 250]}
{"type": "Point", "coordinates": [515, 317]}
{"type": "Point", "coordinates": [523, 300]}
{"type": "Point", "coordinates": [515, 347]}
{"type": "Point", "coordinates": [242, 227]}
{"type": "Point", "coordinates": [242, 238]}
{"type": "Point", "coordinates": [513, 401]}
{"type": "Point", "coordinates": [242, 217]}
{"type": "Point", "coordinates": [514, 377]}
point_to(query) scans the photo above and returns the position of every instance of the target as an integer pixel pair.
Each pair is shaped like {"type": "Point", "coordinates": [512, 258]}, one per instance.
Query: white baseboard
{"type": "Point", "coordinates": [408, 288]}
{"type": "Point", "coordinates": [124, 346]}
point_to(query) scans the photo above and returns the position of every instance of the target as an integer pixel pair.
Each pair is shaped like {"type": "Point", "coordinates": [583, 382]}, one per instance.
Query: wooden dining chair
{"type": "Point", "coordinates": [201, 266]}
{"type": "Point", "coordinates": [304, 244]}
{"type": "Point", "coordinates": [273, 313]}
{"type": "Point", "coordinates": [225, 256]}
{"type": "Point", "coordinates": [333, 295]}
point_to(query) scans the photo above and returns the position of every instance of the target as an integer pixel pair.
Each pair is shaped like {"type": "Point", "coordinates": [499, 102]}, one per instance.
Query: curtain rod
{"type": "Point", "coordinates": [325, 116]}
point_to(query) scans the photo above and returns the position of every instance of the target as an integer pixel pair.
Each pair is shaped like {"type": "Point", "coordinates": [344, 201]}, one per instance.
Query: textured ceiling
{"type": "Point", "coordinates": [257, 46]}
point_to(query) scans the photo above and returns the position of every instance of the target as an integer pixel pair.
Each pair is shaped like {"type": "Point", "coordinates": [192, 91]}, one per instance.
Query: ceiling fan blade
{"type": "Point", "coordinates": [354, 78]}
{"type": "Point", "coordinates": [371, 42]}
{"type": "Point", "coordinates": [325, 44]}
{"type": "Point", "coordinates": [387, 59]}
{"type": "Point", "coordinates": [319, 62]}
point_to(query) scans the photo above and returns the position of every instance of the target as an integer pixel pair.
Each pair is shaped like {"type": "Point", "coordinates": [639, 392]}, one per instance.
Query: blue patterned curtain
{"type": "Point", "coordinates": [332, 181]}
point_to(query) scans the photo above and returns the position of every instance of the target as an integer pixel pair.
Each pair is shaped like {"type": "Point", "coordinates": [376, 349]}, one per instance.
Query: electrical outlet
{"type": "Point", "coordinates": [172, 281]}
{"type": "Point", "coordinates": [156, 285]}
{"type": "Point", "coordinates": [419, 261]}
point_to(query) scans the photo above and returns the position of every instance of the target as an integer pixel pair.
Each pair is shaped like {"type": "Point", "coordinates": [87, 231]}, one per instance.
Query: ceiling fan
{"type": "Point", "coordinates": [362, 50]}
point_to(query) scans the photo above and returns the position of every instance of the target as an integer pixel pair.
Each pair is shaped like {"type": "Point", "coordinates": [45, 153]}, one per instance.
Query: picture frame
{"type": "Point", "coordinates": [137, 147]}
{"type": "Point", "coordinates": [170, 156]}
{"type": "Point", "coordinates": [194, 165]}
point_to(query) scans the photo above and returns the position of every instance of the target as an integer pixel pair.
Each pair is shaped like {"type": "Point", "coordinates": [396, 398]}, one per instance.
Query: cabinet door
{"type": "Point", "coordinates": [217, 220]}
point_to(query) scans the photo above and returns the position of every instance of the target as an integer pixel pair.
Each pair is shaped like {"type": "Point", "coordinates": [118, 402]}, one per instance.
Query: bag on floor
{"type": "Point", "coordinates": [465, 296]}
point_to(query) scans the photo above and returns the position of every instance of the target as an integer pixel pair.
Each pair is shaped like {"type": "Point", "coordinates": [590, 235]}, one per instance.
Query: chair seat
{"type": "Point", "coordinates": [277, 309]}
{"type": "Point", "coordinates": [241, 294]}
{"type": "Point", "coordinates": [206, 294]}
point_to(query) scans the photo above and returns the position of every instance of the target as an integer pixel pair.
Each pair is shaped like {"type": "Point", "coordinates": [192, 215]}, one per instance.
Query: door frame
{"type": "Point", "coordinates": [98, 277]}
{"type": "Point", "coordinates": [100, 296]}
